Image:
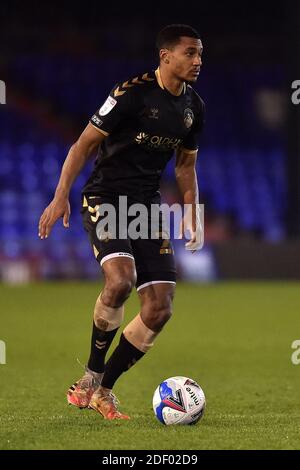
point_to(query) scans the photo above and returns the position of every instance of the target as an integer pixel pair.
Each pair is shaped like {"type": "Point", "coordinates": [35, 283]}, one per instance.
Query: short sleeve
{"type": "Point", "coordinates": [116, 107]}
{"type": "Point", "coordinates": [190, 142]}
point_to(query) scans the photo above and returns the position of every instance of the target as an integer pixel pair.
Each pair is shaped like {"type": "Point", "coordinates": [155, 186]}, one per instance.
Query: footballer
{"type": "Point", "coordinates": [144, 120]}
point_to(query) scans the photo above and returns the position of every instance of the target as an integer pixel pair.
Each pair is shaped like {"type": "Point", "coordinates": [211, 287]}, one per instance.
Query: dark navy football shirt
{"type": "Point", "coordinates": [144, 124]}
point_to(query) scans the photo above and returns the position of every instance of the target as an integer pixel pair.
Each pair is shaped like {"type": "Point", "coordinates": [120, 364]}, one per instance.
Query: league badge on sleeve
{"type": "Point", "coordinates": [107, 106]}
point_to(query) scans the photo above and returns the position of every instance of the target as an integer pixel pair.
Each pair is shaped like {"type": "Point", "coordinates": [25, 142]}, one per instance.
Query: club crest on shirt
{"type": "Point", "coordinates": [188, 117]}
{"type": "Point", "coordinates": [107, 106]}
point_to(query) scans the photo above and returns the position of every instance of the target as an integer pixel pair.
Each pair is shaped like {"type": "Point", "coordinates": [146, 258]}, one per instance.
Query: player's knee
{"type": "Point", "coordinates": [124, 286]}
{"type": "Point", "coordinates": [163, 315]}
{"type": "Point", "coordinates": [157, 314]}
{"type": "Point", "coordinates": [118, 289]}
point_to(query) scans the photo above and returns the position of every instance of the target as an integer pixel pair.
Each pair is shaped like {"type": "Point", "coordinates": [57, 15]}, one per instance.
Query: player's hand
{"type": "Point", "coordinates": [191, 224]}
{"type": "Point", "coordinates": [59, 207]}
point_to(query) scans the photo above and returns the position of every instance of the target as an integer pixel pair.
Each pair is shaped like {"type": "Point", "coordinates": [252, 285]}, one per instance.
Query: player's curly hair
{"type": "Point", "coordinates": [170, 35]}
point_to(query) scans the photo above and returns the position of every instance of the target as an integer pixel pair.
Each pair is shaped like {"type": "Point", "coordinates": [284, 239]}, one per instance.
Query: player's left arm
{"type": "Point", "coordinates": [186, 177]}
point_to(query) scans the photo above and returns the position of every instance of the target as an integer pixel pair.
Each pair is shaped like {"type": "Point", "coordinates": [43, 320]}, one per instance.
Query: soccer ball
{"type": "Point", "coordinates": [179, 400]}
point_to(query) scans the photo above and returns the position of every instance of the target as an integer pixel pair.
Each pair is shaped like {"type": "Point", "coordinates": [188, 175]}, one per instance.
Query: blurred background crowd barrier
{"type": "Point", "coordinates": [59, 64]}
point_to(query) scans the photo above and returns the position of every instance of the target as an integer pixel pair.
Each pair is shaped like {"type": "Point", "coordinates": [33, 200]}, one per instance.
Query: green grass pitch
{"type": "Point", "coordinates": [233, 338]}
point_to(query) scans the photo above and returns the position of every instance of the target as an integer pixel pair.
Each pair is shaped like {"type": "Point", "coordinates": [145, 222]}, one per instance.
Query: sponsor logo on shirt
{"type": "Point", "coordinates": [157, 142]}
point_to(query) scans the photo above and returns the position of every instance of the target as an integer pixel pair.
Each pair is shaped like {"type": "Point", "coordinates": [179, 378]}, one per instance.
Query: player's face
{"type": "Point", "coordinates": [185, 59]}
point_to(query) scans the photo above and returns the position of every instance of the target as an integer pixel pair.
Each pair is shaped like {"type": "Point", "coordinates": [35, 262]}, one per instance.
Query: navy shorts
{"type": "Point", "coordinates": [153, 257]}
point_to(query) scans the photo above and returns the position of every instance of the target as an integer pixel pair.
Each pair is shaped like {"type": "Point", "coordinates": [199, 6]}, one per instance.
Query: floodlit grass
{"type": "Point", "coordinates": [233, 338]}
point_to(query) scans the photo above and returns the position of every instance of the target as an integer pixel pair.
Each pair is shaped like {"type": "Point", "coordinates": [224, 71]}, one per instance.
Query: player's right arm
{"type": "Point", "coordinates": [117, 106]}
{"type": "Point", "coordinates": [78, 155]}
